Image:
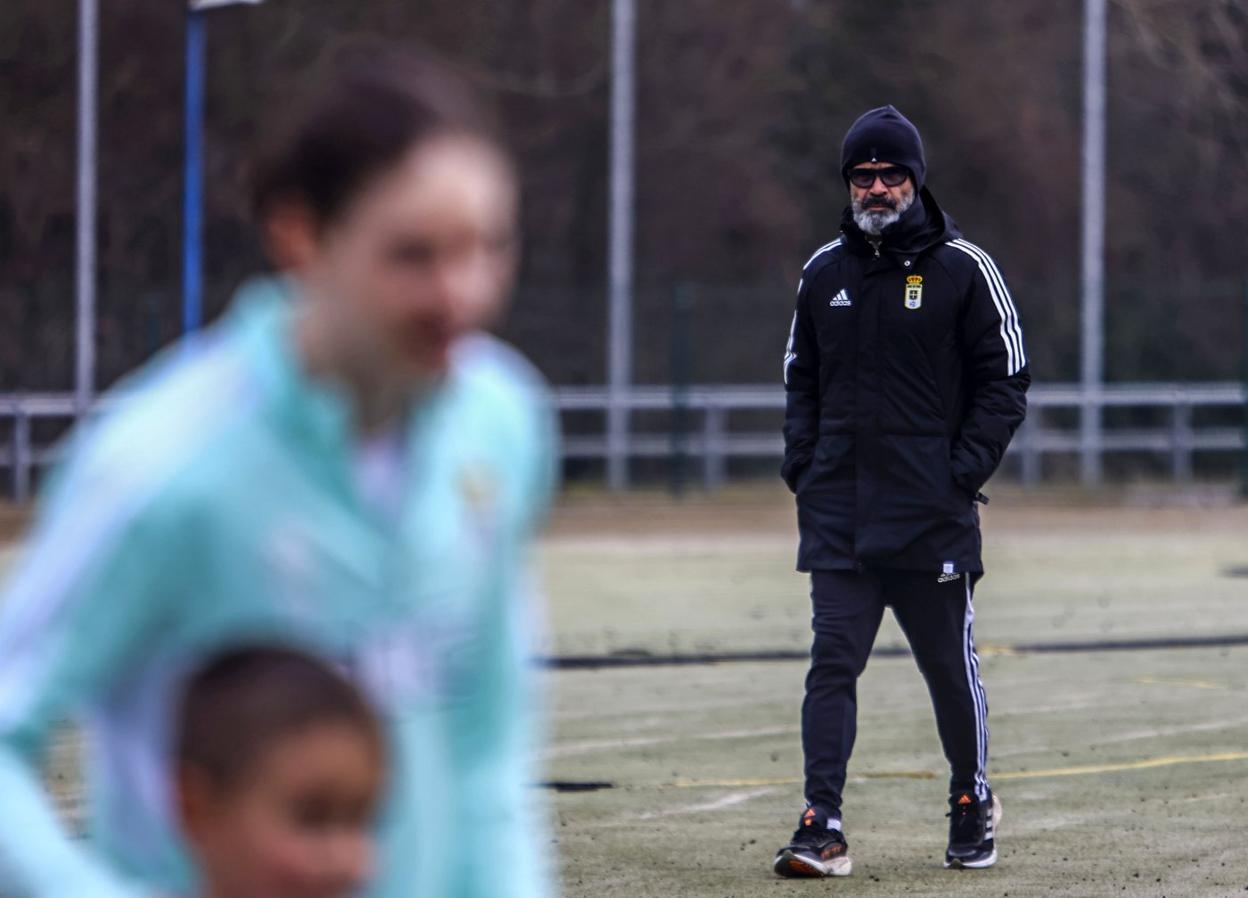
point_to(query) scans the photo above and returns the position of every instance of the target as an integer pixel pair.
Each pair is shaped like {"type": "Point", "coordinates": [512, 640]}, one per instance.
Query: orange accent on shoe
{"type": "Point", "coordinates": [965, 799]}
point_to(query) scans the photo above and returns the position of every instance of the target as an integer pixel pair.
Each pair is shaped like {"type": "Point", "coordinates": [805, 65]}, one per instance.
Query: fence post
{"type": "Point", "coordinates": [620, 225]}
{"type": "Point", "coordinates": [681, 368]}
{"type": "Point", "coordinates": [21, 454]}
{"type": "Point", "coordinates": [1243, 478]}
{"type": "Point", "coordinates": [1181, 441]}
{"type": "Point", "coordinates": [1029, 439]}
{"type": "Point", "coordinates": [713, 445]}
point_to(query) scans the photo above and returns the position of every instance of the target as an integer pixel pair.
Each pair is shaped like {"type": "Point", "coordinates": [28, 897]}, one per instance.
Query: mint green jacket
{"type": "Point", "coordinates": [214, 503]}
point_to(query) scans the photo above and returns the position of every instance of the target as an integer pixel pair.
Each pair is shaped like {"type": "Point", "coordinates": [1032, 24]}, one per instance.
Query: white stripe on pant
{"type": "Point", "coordinates": [971, 659]}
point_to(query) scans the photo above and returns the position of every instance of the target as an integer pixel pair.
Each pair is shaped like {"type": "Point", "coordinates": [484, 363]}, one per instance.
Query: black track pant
{"type": "Point", "coordinates": [936, 618]}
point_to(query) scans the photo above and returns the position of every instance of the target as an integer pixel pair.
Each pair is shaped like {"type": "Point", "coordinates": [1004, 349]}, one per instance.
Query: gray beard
{"type": "Point", "coordinates": [873, 221]}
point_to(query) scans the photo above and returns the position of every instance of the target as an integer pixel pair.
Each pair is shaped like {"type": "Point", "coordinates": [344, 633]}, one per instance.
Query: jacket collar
{"type": "Point", "coordinates": [922, 226]}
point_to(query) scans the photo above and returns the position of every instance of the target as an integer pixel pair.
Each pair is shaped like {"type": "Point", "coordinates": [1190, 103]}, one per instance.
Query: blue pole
{"type": "Point", "coordinates": [193, 196]}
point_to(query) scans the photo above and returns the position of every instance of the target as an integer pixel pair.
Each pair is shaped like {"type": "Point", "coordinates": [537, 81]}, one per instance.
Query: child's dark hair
{"type": "Point", "coordinates": [245, 699]}
{"type": "Point", "coordinates": [371, 105]}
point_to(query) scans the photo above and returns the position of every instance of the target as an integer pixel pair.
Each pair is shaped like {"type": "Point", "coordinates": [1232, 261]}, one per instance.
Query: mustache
{"type": "Point", "coordinates": [878, 202]}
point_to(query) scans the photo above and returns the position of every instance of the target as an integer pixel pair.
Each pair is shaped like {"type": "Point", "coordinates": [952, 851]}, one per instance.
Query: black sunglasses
{"type": "Point", "coordinates": [894, 176]}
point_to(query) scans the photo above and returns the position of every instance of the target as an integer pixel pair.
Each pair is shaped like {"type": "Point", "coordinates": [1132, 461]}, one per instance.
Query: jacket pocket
{"type": "Point", "coordinates": [916, 480]}
{"type": "Point", "coordinates": [793, 470]}
{"type": "Point", "coordinates": [831, 453]}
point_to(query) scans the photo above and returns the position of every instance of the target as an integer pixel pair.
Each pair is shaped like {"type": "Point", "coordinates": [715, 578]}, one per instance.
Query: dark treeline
{"type": "Point", "coordinates": [741, 108]}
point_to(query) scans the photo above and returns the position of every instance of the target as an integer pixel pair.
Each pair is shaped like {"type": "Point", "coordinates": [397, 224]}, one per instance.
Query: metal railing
{"type": "Point", "coordinates": [20, 456]}
{"type": "Point", "coordinates": [713, 442]}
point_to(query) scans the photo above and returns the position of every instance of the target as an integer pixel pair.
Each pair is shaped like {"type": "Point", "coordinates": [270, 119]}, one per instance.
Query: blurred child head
{"type": "Point", "coordinates": [386, 194]}
{"type": "Point", "coordinates": [280, 767]}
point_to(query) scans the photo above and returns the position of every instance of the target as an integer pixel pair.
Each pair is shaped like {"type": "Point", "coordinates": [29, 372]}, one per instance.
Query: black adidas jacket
{"type": "Point", "coordinates": [905, 378]}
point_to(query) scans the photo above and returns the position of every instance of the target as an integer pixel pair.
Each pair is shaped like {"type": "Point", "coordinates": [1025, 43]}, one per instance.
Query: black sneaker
{"type": "Point", "coordinates": [972, 825]}
{"type": "Point", "coordinates": [815, 849]}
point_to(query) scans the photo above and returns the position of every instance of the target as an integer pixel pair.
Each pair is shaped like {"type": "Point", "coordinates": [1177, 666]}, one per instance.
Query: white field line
{"type": "Point", "coordinates": [1027, 710]}
{"type": "Point", "coordinates": [1187, 682]}
{"type": "Point", "coordinates": [1142, 764]}
{"type": "Point", "coordinates": [681, 708]}
{"type": "Point", "coordinates": [677, 708]}
{"type": "Point", "coordinates": [749, 734]}
{"type": "Point", "coordinates": [1075, 770]}
{"type": "Point", "coordinates": [669, 544]}
{"type": "Point", "coordinates": [569, 749]}
{"type": "Point", "coordinates": [1133, 735]}
{"type": "Point", "coordinates": [702, 807]}
{"type": "Point", "coordinates": [727, 801]}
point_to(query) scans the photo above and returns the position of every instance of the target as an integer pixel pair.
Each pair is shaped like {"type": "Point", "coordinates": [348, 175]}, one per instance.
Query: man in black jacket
{"type": "Point", "coordinates": [905, 378]}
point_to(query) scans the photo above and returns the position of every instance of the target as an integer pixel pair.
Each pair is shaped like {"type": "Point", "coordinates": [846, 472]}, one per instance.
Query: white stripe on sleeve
{"type": "Point", "coordinates": [1011, 330]}
{"type": "Point", "coordinates": [827, 247]}
{"type": "Point", "coordinates": [789, 355]}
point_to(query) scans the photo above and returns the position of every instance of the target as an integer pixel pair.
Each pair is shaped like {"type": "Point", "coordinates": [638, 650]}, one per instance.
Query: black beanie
{"type": "Point", "coordinates": [884, 135]}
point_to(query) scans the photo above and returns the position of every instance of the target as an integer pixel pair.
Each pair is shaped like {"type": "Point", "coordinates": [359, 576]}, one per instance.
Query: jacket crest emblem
{"type": "Point", "coordinates": [914, 291]}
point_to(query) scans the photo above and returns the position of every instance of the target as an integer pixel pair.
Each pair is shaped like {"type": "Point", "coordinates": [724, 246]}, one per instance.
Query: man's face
{"type": "Point", "coordinates": [878, 205]}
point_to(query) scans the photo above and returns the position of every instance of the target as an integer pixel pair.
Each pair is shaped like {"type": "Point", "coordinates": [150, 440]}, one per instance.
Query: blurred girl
{"type": "Point", "coordinates": [343, 460]}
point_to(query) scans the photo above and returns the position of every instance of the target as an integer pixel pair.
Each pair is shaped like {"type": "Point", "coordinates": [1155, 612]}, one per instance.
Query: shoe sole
{"type": "Point", "coordinates": [792, 866]}
{"type": "Point", "coordinates": [981, 863]}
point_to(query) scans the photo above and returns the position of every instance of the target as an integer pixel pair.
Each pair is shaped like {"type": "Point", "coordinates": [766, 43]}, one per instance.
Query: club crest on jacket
{"type": "Point", "coordinates": [914, 291]}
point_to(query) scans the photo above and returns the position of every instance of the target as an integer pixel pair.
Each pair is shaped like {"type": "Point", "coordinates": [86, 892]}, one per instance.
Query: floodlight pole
{"type": "Point", "coordinates": [193, 175]}
{"type": "Point", "coordinates": [84, 288]}
{"type": "Point", "coordinates": [620, 241]}
{"type": "Point", "coordinates": [1093, 257]}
